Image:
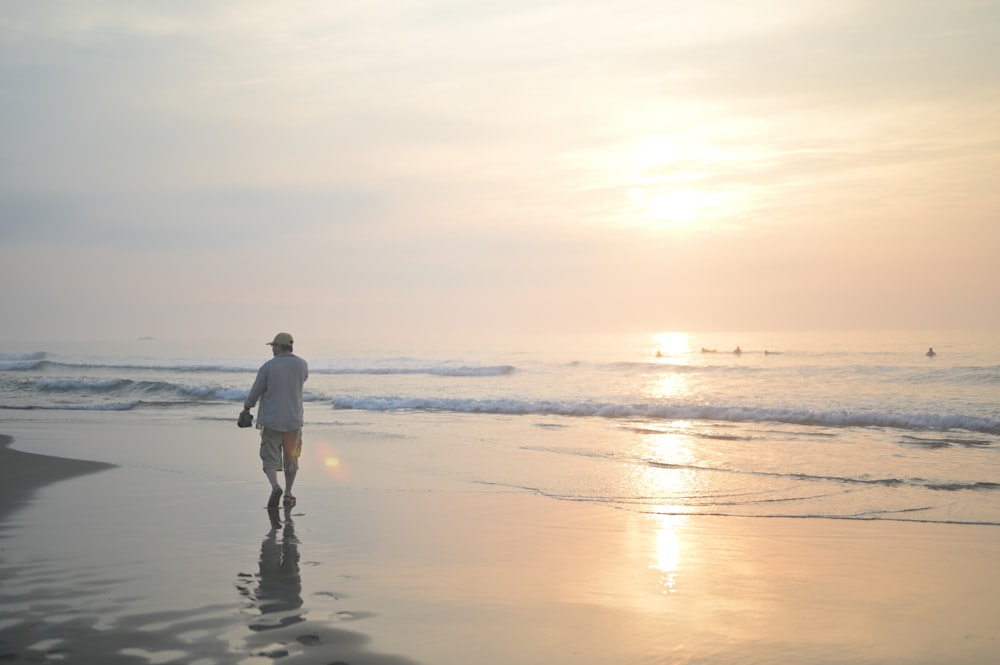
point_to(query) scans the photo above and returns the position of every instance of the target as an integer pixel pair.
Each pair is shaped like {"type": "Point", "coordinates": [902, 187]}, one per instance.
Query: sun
{"type": "Point", "coordinates": [673, 183]}
{"type": "Point", "coordinates": [678, 206]}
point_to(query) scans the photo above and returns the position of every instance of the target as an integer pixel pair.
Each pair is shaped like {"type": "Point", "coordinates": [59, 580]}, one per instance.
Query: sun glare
{"type": "Point", "coordinates": [669, 183]}
{"type": "Point", "coordinates": [680, 206]}
{"type": "Point", "coordinates": [671, 343]}
{"type": "Point", "coordinates": [676, 207]}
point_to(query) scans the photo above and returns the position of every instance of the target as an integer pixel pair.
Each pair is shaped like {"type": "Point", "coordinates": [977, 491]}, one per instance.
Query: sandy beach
{"type": "Point", "coordinates": [22, 473]}
{"type": "Point", "coordinates": [147, 562]}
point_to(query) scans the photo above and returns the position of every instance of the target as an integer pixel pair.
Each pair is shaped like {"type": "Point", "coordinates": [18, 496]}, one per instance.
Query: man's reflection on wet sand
{"type": "Point", "coordinates": [278, 589]}
{"type": "Point", "coordinates": [274, 596]}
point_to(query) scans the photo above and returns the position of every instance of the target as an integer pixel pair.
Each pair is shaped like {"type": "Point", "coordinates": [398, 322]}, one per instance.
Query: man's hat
{"type": "Point", "coordinates": [281, 339]}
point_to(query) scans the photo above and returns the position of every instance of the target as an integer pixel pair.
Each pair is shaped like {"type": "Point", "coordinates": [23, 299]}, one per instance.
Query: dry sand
{"type": "Point", "coordinates": [142, 565]}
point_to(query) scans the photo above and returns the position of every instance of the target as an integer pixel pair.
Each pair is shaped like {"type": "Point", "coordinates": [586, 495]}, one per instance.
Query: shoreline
{"type": "Point", "coordinates": [23, 473]}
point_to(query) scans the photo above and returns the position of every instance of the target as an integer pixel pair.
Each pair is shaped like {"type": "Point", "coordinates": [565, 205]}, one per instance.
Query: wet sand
{"type": "Point", "coordinates": [21, 473]}
{"type": "Point", "coordinates": [143, 564]}
{"type": "Point", "coordinates": [48, 611]}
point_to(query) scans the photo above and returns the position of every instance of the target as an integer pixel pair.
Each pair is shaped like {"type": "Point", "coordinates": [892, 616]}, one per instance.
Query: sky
{"type": "Point", "coordinates": [400, 168]}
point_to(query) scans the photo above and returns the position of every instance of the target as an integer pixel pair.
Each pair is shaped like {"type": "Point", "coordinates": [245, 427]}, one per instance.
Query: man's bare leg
{"type": "Point", "coordinates": [290, 451]}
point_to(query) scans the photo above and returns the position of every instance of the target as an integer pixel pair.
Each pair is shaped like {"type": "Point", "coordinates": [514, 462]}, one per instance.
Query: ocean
{"type": "Point", "coordinates": [844, 426]}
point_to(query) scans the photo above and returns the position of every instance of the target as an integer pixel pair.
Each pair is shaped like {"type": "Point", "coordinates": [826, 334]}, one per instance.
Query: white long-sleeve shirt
{"type": "Point", "coordinates": [279, 388]}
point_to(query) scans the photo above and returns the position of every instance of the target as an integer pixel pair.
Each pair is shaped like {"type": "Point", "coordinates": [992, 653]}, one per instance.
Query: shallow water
{"type": "Point", "coordinates": [851, 426]}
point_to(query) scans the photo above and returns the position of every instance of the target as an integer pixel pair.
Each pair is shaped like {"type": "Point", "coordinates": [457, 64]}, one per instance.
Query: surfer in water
{"type": "Point", "coordinates": [930, 352]}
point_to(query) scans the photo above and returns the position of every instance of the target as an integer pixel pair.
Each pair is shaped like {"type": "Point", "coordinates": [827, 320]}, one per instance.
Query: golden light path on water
{"type": "Point", "coordinates": [672, 448]}
{"type": "Point", "coordinates": [667, 524]}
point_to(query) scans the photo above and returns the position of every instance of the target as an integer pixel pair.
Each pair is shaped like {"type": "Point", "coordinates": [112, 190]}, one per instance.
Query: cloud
{"type": "Point", "coordinates": [417, 163]}
{"type": "Point", "coordinates": [206, 219]}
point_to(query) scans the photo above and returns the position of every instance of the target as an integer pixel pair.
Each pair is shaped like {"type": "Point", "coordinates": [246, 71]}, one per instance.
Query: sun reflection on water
{"type": "Point", "coordinates": [671, 345]}
{"type": "Point", "coordinates": [668, 551]}
{"type": "Point", "coordinates": [668, 385]}
{"type": "Point", "coordinates": [666, 482]}
{"type": "Point", "coordinates": [672, 351]}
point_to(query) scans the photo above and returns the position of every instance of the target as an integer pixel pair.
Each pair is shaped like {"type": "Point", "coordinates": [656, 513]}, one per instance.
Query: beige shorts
{"type": "Point", "coordinates": [272, 452]}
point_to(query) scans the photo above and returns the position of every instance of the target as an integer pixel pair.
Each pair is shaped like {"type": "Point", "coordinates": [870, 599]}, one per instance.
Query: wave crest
{"type": "Point", "coordinates": [673, 412]}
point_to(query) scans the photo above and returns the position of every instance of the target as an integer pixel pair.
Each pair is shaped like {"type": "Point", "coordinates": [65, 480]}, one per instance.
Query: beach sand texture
{"type": "Point", "coordinates": [141, 564]}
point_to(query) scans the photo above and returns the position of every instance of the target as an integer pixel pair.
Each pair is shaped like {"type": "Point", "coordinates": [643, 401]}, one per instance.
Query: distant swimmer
{"type": "Point", "coordinates": [659, 354]}
{"type": "Point", "coordinates": [930, 352]}
{"type": "Point", "coordinates": [737, 350]}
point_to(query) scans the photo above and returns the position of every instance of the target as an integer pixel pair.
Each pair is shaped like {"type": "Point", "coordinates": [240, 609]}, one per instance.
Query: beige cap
{"type": "Point", "coordinates": [281, 339]}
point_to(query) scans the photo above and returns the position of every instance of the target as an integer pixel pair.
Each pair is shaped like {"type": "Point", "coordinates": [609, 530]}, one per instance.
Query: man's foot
{"type": "Point", "coordinates": [289, 501]}
{"type": "Point", "coordinates": [275, 497]}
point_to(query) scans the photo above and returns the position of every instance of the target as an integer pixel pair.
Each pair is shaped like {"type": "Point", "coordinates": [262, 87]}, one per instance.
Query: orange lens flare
{"type": "Point", "coordinates": [327, 457]}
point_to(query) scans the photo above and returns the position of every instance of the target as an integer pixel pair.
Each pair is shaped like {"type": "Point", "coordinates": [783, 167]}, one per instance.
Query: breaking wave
{"type": "Point", "coordinates": [128, 394]}
{"type": "Point", "coordinates": [833, 419]}
{"type": "Point", "coordinates": [39, 361]}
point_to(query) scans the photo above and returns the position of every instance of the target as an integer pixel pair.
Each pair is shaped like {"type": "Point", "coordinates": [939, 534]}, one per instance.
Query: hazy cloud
{"type": "Point", "coordinates": [456, 166]}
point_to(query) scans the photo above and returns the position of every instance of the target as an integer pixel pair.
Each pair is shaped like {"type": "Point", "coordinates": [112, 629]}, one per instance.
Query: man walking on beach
{"type": "Point", "coordinates": [279, 388]}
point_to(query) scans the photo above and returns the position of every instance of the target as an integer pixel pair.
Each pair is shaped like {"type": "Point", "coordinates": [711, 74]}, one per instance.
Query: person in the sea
{"type": "Point", "coordinates": [737, 350]}
{"type": "Point", "coordinates": [278, 386]}
{"type": "Point", "coordinates": [930, 352]}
